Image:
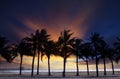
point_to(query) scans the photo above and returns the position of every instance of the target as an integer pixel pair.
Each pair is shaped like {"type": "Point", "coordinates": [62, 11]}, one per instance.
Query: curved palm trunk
{"type": "Point", "coordinates": [64, 66]}
{"type": "Point", "coordinates": [87, 67]}
{"type": "Point", "coordinates": [33, 63]}
{"type": "Point", "coordinates": [104, 65]}
{"type": "Point", "coordinates": [77, 73]}
{"type": "Point", "coordinates": [49, 74]}
{"type": "Point", "coordinates": [38, 63]}
{"type": "Point", "coordinates": [21, 64]}
{"type": "Point", "coordinates": [112, 66]}
{"type": "Point", "coordinates": [96, 60]}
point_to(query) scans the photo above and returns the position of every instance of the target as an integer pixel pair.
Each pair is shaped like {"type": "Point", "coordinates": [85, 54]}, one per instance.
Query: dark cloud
{"type": "Point", "coordinates": [18, 18]}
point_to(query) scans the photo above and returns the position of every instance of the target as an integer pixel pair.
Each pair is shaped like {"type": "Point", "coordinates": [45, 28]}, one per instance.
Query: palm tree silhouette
{"type": "Point", "coordinates": [9, 53]}
{"type": "Point", "coordinates": [95, 41]}
{"type": "Point", "coordinates": [37, 41]}
{"type": "Point", "coordinates": [65, 46]}
{"type": "Point", "coordinates": [111, 55]}
{"type": "Point", "coordinates": [42, 39]}
{"type": "Point", "coordinates": [6, 50]}
{"type": "Point", "coordinates": [49, 50]}
{"type": "Point", "coordinates": [76, 51]}
{"type": "Point", "coordinates": [86, 51]}
{"type": "Point", "coordinates": [24, 48]}
{"type": "Point", "coordinates": [117, 49]}
{"type": "Point", "coordinates": [34, 41]}
{"type": "Point", "coordinates": [102, 48]}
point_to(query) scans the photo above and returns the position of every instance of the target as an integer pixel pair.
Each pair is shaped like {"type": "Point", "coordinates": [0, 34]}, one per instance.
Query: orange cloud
{"type": "Point", "coordinates": [57, 22]}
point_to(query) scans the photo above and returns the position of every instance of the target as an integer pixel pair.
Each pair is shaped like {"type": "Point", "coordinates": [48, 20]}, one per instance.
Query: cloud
{"type": "Point", "coordinates": [54, 16]}
{"type": "Point", "coordinates": [59, 17]}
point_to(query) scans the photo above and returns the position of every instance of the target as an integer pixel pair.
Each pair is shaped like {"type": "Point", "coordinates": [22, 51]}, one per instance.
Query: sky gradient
{"type": "Point", "coordinates": [19, 18]}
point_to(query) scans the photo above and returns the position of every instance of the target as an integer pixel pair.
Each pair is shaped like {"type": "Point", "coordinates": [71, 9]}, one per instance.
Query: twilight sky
{"type": "Point", "coordinates": [19, 18]}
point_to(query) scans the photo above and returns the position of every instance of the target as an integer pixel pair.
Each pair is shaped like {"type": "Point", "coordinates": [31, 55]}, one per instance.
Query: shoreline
{"type": "Point", "coordinates": [54, 70]}
{"type": "Point", "coordinates": [68, 76]}
{"type": "Point", "coordinates": [56, 75]}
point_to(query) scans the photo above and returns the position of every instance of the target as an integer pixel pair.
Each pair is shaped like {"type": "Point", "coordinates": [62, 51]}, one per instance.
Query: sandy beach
{"type": "Point", "coordinates": [11, 71]}
{"type": "Point", "coordinates": [58, 75]}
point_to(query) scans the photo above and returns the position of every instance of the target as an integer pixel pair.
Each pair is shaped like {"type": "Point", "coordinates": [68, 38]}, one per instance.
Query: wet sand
{"type": "Point", "coordinates": [58, 75]}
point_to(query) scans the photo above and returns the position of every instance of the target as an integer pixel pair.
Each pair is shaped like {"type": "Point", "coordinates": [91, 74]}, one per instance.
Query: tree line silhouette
{"type": "Point", "coordinates": [40, 44]}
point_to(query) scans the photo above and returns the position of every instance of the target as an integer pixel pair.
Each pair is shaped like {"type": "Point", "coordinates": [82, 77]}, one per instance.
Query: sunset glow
{"type": "Point", "coordinates": [21, 18]}
{"type": "Point", "coordinates": [56, 21]}
{"type": "Point", "coordinates": [57, 64]}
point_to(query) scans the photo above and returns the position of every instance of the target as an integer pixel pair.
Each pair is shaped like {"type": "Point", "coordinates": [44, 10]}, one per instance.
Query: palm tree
{"type": "Point", "coordinates": [102, 48]}
{"type": "Point", "coordinates": [95, 41]}
{"type": "Point", "coordinates": [76, 51]}
{"type": "Point", "coordinates": [65, 46]}
{"type": "Point", "coordinates": [117, 49]}
{"type": "Point", "coordinates": [49, 50]}
{"type": "Point", "coordinates": [37, 41]}
{"type": "Point", "coordinates": [34, 41]}
{"type": "Point", "coordinates": [86, 51]}
{"type": "Point", "coordinates": [7, 51]}
{"type": "Point", "coordinates": [42, 39]}
{"type": "Point", "coordinates": [111, 55]}
{"type": "Point", "coordinates": [23, 48]}
{"type": "Point", "coordinates": [115, 54]}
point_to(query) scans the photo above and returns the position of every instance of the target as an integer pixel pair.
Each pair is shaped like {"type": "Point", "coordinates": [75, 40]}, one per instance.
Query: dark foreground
{"type": "Point", "coordinates": [58, 75]}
